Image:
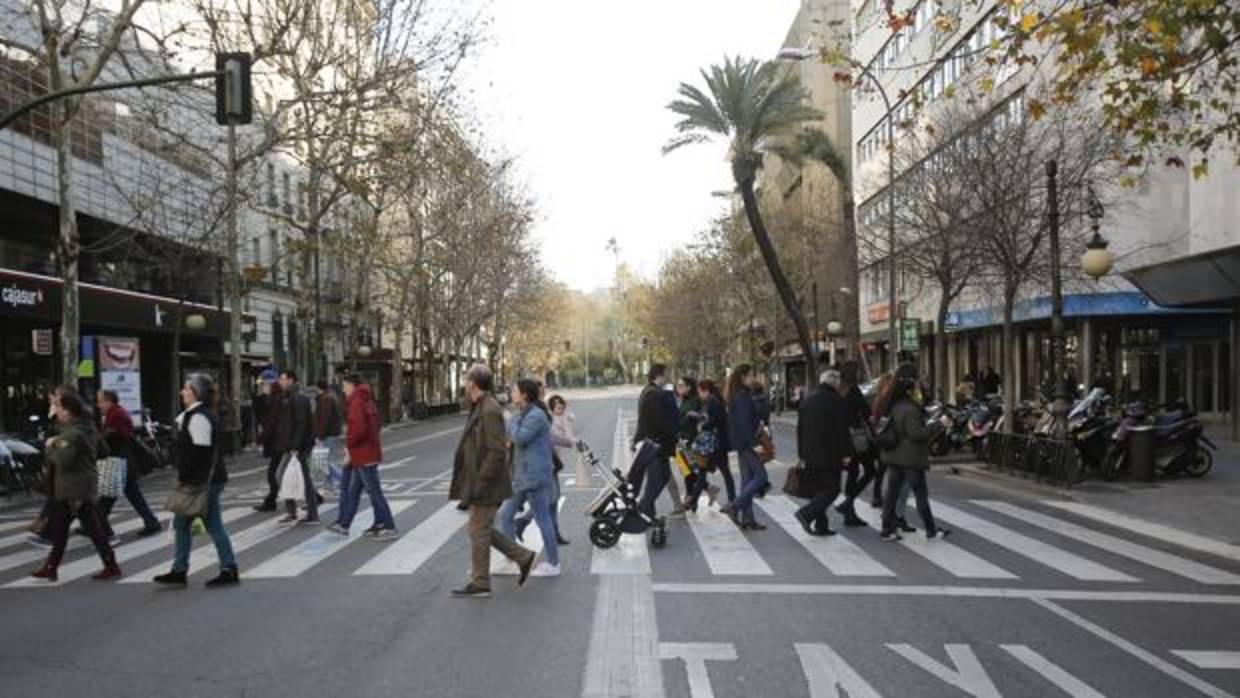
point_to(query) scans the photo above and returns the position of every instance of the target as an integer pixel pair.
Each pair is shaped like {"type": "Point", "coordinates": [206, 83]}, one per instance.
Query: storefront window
{"type": "Point", "coordinates": [1203, 377]}
{"type": "Point", "coordinates": [1177, 373]}
{"type": "Point", "coordinates": [1140, 371]}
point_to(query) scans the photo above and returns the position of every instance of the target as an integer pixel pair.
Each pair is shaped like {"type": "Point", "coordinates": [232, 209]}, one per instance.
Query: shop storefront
{"type": "Point", "coordinates": [134, 331]}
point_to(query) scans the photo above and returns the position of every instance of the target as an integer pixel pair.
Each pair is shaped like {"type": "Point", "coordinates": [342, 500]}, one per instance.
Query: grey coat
{"type": "Point", "coordinates": [913, 436]}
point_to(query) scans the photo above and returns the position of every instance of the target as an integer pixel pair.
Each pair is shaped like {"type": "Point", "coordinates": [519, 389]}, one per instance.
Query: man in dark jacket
{"type": "Point", "coordinates": [116, 428]}
{"type": "Point", "coordinates": [328, 427]}
{"type": "Point", "coordinates": [658, 420]}
{"type": "Point", "coordinates": [823, 444]}
{"type": "Point", "coordinates": [293, 435]}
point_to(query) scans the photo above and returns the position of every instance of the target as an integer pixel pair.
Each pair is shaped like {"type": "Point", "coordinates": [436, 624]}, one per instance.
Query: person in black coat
{"type": "Point", "coordinates": [823, 444]}
{"type": "Point", "coordinates": [862, 470]}
{"type": "Point", "coordinates": [657, 420]}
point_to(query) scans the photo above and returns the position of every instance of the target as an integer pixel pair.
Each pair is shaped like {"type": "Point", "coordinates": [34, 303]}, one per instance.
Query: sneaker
{"type": "Point", "coordinates": [385, 534]}
{"type": "Point", "coordinates": [938, 533]}
{"type": "Point", "coordinates": [546, 569]}
{"type": "Point", "coordinates": [337, 528]}
{"type": "Point", "coordinates": [469, 591]}
{"type": "Point", "coordinates": [288, 519]}
{"type": "Point", "coordinates": [175, 578]}
{"type": "Point", "coordinates": [890, 536]}
{"type": "Point", "coordinates": [677, 513]}
{"type": "Point", "coordinates": [38, 541]}
{"type": "Point", "coordinates": [506, 568]}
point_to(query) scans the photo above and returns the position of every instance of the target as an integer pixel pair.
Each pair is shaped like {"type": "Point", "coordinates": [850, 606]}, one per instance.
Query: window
{"type": "Point", "coordinates": [273, 243]}
{"type": "Point", "coordinates": [301, 201]}
{"type": "Point", "coordinates": [256, 252]}
{"type": "Point", "coordinates": [271, 186]}
{"type": "Point", "coordinates": [288, 193]}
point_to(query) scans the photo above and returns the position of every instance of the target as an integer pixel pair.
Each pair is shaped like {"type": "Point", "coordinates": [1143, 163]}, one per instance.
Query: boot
{"type": "Point", "coordinates": [176, 577]}
{"type": "Point", "coordinates": [47, 571]}
{"type": "Point", "coordinates": [110, 569]}
{"type": "Point", "coordinates": [227, 577]}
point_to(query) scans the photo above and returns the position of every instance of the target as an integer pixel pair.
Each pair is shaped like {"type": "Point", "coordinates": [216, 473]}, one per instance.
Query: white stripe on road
{"type": "Point", "coordinates": [623, 659]}
{"type": "Point", "coordinates": [414, 548]}
{"type": "Point", "coordinates": [1158, 663]}
{"type": "Point", "coordinates": [1166, 534]}
{"type": "Point", "coordinates": [423, 439]}
{"type": "Point", "coordinates": [1210, 659]}
{"type": "Point", "coordinates": [726, 549]}
{"type": "Point", "coordinates": [1053, 673]}
{"type": "Point", "coordinates": [9, 526]}
{"type": "Point", "coordinates": [76, 542]}
{"type": "Point", "coordinates": [829, 676]}
{"type": "Point", "coordinates": [124, 552]}
{"type": "Point", "coordinates": [1118, 546]}
{"type": "Point", "coordinates": [629, 556]}
{"type": "Point", "coordinates": [205, 555]}
{"type": "Point", "coordinates": [695, 655]}
{"type": "Point", "coordinates": [1060, 560]}
{"type": "Point", "coordinates": [836, 553]}
{"type": "Point", "coordinates": [968, 674]}
{"type": "Point", "coordinates": [952, 558]}
{"type": "Point", "coordinates": [962, 592]}
{"type": "Point", "coordinates": [322, 545]}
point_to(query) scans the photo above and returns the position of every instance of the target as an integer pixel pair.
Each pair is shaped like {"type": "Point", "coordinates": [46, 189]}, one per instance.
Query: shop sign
{"type": "Point", "coordinates": [18, 297]}
{"type": "Point", "coordinates": [878, 313]}
{"type": "Point", "coordinates": [41, 342]}
{"type": "Point", "coordinates": [910, 334]}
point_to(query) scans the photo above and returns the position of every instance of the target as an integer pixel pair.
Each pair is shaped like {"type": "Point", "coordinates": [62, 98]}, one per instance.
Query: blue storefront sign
{"type": "Point", "coordinates": [1074, 305]}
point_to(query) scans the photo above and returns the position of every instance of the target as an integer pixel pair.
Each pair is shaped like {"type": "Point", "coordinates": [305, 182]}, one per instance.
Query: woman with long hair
{"type": "Point", "coordinates": [743, 426]}
{"type": "Point", "coordinates": [715, 423]}
{"type": "Point", "coordinates": [882, 396]}
{"type": "Point", "coordinates": [71, 455]}
{"type": "Point", "coordinates": [532, 472]}
{"type": "Point", "coordinates": [563, 439]}
{"type": "Point", "coordinates": [908, 454]}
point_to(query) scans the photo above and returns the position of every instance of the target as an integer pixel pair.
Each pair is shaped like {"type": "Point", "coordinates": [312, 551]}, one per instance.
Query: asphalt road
{"type": "Point", "coordinates": [1024, 599]}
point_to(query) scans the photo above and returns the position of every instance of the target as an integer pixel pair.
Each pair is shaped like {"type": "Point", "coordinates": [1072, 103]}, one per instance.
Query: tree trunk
{"type": "Point", "coordinates": [758, 227]}
{"type": "Point", "coordinates": [68, 248]}
{"type": "Point", "coordinates": [939, 377]}
{"type": "Point", "coordinates": [1009, 358]}
{"type": "Point", "coordinates": [852, 311]}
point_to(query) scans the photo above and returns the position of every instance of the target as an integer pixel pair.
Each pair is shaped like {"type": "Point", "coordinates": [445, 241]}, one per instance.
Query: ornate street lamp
{"type": "Point", "coordinates": [195, 322]}
{"type": "Point", "coordinates": [1097, 260]}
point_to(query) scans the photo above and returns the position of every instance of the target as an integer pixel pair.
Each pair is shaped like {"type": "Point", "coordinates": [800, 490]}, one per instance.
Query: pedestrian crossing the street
{"type": "Point", "coordinates": [994, 543]}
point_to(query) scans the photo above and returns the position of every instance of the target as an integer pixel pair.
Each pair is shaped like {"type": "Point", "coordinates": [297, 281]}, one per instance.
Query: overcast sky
{"type": "Point", "coordinates": [577, 92]}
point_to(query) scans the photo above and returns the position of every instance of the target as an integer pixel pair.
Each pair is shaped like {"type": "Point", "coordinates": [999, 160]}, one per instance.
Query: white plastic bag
{"type": "Point", "coordinates": [292, 485]}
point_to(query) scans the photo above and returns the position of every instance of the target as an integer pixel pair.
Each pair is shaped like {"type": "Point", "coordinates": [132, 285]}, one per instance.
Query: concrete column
{"type": "Point", "coordinates": [1234, 353]}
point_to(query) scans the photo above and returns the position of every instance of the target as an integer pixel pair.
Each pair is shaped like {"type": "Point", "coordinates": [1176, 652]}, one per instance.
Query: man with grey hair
{"type": "Point", "coordinates": [823, 443]}
{"type": "Point", "coordinates": [482, 480]}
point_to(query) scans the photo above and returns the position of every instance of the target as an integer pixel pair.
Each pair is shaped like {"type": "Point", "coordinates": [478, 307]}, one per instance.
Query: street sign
{"type": "Point", "coordinates": [910, 334]}
{"type": "Point", "coordinates": [41, 341]}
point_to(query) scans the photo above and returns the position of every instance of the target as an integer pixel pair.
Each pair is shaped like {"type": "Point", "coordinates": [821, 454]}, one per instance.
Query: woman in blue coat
{"type": "Point", "coordinates": [744, 424]}
{"type": "Point", "coordinates": [532, 472]}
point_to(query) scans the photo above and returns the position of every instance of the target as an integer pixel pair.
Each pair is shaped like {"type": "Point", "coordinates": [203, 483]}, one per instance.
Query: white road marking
{"type": "Point", "coordinates": [124, 552]}
{"type": "Point", "coordinates": [829, 675]}
{"type": "Point", "coordinates": [623, 659]}
{"type": "Point", "coordinates": [836, 553]}
{"type": "Point", "coordinates": [695, 656]}
{"type": "Point", "coordinates": [945, 591]}
{"type": "Point", "coordinates": [952, 558]}
{"type": "Point", "coordinates": [629, 556]}
{"type": "Point", "coordinates": [205, 555]}
{"type": "Point", "coordinates": [727, 550]}
{"type": "Point", "coordinates": [968, 674]}
{"type": "Point", "coordinates": [9, 526]}
{"type": "Point", "coordinates": [1210, 659]}
{"type": "Point", "coordinates": [423, 439]}
{"type": "Point", "coordinates": [312, 551]}
{"type": "Point", "coordinates": [1199, 685]}
{"type": "Point", "coordinates": [76, 542]}
{"type": "Point", "coordinates": [1118, 546]}
{"type": "Point", "coordinates": [1042, 553]}
{"type": "Point", "coordinates": [1052, 672]}
{"type": "Point", "coordinates": [430, 481]}
{"type": "Point", "coordinates": [1166, 534]}
{"type": "Point", "coordinates": [414, 548]}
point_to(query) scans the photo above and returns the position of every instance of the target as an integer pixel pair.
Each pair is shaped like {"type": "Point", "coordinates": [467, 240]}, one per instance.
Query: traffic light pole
{"type": "Point", "coordinates": [17, 113]}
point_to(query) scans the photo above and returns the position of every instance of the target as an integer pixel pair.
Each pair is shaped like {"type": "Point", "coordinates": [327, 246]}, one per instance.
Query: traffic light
{"type": "Point", "coordinates": [233, 93]}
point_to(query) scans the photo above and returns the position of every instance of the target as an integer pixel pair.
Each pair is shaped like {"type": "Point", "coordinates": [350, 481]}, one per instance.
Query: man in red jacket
{"type": "Point", "coordinates": [362, 425]}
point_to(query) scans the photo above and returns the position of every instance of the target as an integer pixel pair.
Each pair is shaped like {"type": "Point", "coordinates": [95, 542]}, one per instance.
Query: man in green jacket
{"type": "Point", "coordinates": [482, 480]}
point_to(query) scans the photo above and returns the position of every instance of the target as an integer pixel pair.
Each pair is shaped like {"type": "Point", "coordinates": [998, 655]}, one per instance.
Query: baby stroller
{"type": "Point", "coordinates": [615, 510]}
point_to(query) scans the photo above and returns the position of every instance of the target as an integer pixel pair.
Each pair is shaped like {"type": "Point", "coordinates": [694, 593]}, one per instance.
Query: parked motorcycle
{"type": "Point", "coordinates": [1090, 426]}
{"type": "Point", "coordinates": [21, 458]}
{"type": "Point", "coordinates": [985, 417]}
{"type": "Point", "coordinates": [954, 437]}
{"type": "Point", "coordinates": [1180, 447]}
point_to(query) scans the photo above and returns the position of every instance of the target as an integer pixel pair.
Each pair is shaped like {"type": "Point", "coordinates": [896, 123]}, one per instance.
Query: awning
{"type": "Point", "coordinates": [1208, 278]}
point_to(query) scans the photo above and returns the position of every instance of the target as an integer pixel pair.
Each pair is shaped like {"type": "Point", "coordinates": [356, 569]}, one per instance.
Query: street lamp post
{"type": "Point", "coordinates": [893, 301]}
{"type": "Point", "coordinates": [1060, 408]}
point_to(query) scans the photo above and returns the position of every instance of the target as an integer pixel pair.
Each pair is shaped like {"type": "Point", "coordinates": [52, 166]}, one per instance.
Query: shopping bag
{"type": "Point", "coordinates": [682, 464]}
{"type": "Point", "coordinates": [111, 482]}
{"type": "Point", "coordinates": [292, 485]}
{"type": "Point", "coordinates": [320, 460]}
{"type": "Point", "coordinates": [797, 484]}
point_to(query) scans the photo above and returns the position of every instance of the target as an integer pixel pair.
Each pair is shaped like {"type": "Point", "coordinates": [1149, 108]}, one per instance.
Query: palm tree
{"type": "Point", "coordinates": [753, 103]}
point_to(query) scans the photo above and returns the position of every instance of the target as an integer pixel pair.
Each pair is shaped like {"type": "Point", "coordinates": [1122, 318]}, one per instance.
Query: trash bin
{"type": "Point", "coordinates": [1141, 453]}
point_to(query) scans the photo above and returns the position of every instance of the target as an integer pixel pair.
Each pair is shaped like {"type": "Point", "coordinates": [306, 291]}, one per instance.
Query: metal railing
{"type": "Point", "coordinates": [1041, 458]}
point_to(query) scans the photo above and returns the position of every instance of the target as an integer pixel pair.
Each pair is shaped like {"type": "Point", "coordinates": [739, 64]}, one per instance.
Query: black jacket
{"type": "Point", "coordinates": [657, 418]}
{"type": "Point", "coordinates": [293, 420]}
{"type": "Point", "coordinates": [822, 431]}
{"type": "Point", "coordinates": [717, 421]}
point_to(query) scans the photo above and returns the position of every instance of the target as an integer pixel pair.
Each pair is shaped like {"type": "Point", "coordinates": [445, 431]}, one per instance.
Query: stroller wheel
{"type": "Point", "coordinates": [604, 533]}
{"type": "Point", "coordinates": [658, 534]}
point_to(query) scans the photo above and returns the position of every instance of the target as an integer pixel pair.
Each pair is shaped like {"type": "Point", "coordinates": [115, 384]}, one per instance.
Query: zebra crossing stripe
{"type": "Point", "coordinates": [413, 549]}
{"type": "Point", "coordinates": [829, 676]}
{"type": "Point", "coordinates": [10, 525]}
{"type": "Point", "coordinates": [1149, 529]}
{"type": "Point", "coordinates": [76, 542]}
{"type": "Point", "coordinates": [1051, 672]}
{"type": "Point", "coordinates": [1060, 560]}
{"type": "Point", "coordinates": [1210, 659]}
{"type": "Point", "coordinates": [838, 554]}
{"type": "Point", "coordinates": [948, 556]}
{"type": "Point", "coordinates": [126, 551]}
{"type": "Point", "coordinates": [205, 555]}
{"type": "Point", "coordinates": [1150, 556]}
{"type": "Point", "coordinates": [312, 551]}
{"type": "Point", "coordinates": [726, 549]}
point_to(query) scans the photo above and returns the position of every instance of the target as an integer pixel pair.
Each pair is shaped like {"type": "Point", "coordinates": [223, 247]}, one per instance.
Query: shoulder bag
{"type": "Point", "coordinates": [192, 500]}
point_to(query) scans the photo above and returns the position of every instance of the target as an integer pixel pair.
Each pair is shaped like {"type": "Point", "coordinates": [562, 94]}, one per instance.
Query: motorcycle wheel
{"type": "Point", "coordinates": [1200, 463]}
{"type": "Point", "coordinates": [940, 447]}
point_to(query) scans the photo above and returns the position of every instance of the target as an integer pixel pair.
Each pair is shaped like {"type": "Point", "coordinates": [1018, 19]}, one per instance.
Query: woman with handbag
{"type": "Point", "coordinates": [712, 439]}
{"type": "Point", "coordinates": [905, 447]}
{"type": "Point", "coordinates": [118, 434]}
{"type": "Point", "coordinates": [71, 455]}
{"type": "Point", "coordinates": [200, 480]}
{"type": "Point", "coordinates": [744, 426]}
{"type": "Point", "coordinates": [862, 468]}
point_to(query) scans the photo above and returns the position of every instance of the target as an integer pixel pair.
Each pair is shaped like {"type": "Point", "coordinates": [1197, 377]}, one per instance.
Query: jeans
{"type": "Point", "coordinates": [133, 493]}
{"type": "Point", "coordinates": [353, 480]}
{"type": "Point", "coordinates": [917, 480]}
{"type": "Point", "coordinates": [215, 527]}
{"type": "Point", "coordinates": [539, 496]}
{"type": "Point", "coordinates": [753, 479]}
{"type": "Point", "coordinates": [902, 501]}
{"type": "Point", "coordinates": [483, 537]}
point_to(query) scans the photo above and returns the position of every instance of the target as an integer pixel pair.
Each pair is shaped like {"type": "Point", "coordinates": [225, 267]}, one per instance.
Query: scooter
{"type": "Point", "coordinates": [1180, 447]}
{"type": "Point", "coordinates": [954, 437]}
{"type": "Point", "coordinates": [1090, 427]}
